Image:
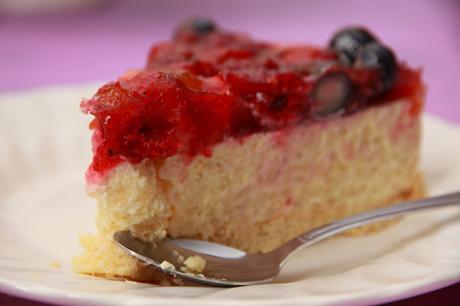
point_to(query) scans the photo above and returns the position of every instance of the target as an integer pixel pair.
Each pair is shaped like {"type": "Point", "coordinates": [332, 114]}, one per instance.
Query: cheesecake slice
{"type": "Point", "coordinates": [247, 143]}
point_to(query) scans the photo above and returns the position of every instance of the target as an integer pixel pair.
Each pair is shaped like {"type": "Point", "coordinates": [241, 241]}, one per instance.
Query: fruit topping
{"type": "Point", "coordinates": [206, 85]}
{"type": "Point", "coordinates": [331, 94]}
{"type": "Point", "coordinates": [279, 103]}
{"type": "Point", "coordinates": [196, 26]}
{"type": "Point", "coordinates": [203, 26]}
{"type": "Point", "coordinates": [358, 48]}
{"type": "Point", "coordinates": [347, 43]}
{"type": "Point", "coordinates": [381, 58]}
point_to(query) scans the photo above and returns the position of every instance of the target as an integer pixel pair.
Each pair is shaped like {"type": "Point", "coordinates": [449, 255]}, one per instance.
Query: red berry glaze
{"type": "Point", "coordinates": [201, 88]}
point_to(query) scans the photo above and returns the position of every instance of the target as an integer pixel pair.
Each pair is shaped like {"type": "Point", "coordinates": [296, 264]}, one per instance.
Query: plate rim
{"type": "Point", "coordinates": [64, 297]}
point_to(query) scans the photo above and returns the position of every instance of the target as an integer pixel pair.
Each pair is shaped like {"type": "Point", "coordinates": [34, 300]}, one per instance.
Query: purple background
{"type": "Point", "coordinates": [101, 42]}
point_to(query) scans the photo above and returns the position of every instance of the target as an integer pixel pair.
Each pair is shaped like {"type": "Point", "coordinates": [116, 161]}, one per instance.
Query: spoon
{"type": "Point", "coordinates": [226, 266]}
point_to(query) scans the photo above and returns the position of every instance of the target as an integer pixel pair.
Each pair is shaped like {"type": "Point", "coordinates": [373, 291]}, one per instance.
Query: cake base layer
{"type": "Point", "coordinates": [257, 193]}
{"type": "Point", "coordinates": [102, 258]}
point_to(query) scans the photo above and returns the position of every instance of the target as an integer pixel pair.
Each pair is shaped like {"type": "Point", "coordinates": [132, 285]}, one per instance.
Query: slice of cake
{"type": "Point", "coordinates": [248, 143]}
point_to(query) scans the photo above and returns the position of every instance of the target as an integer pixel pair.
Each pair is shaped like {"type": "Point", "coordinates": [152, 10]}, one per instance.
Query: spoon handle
{"type": "Point", "coordinates": [321, 233]}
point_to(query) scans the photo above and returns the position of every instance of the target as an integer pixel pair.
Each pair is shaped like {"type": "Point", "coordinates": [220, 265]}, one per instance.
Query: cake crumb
{"type": "Point", "coordinates": [55, 264]}
{"type": "Point", "coordinates": [167, 266]}
{"type": "Point", "coordinates": [35, 274]}
{"type": "Point", "coordinates": [180, 258]}
{"type": "Point", "coordinates": [194, 264]}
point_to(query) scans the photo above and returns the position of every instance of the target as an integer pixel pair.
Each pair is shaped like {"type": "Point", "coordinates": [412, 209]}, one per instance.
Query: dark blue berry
{"type": "Point", "coordinates": [203, 26]}
{"type": "Point", "coordinates": [347, 43]}
{"type": "Point", "coordinates": [331, 94]}
{"type": "Point", "coordinates": [196, 26]}
{"type": "Point", "coordinates": [381, 58]}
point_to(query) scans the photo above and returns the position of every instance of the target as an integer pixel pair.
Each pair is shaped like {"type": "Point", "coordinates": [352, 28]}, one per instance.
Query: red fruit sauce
{"type": "Point", "coordinates": [198, 90]}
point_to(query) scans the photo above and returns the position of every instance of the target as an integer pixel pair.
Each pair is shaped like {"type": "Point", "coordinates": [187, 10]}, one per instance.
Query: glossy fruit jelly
{"type": "Point", "coordinates": [206, 85]}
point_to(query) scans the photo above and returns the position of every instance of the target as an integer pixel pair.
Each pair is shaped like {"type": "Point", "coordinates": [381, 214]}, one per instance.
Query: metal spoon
{"type": "Point", "coordinates": [227, 266]}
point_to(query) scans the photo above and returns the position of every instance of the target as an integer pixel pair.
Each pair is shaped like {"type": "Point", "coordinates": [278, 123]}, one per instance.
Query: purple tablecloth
{"type": "Point", "coordinates": [101, 42]}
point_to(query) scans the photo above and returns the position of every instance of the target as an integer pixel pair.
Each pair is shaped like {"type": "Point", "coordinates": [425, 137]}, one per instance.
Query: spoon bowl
{"type": "Point", "coordinates": [225, 266]}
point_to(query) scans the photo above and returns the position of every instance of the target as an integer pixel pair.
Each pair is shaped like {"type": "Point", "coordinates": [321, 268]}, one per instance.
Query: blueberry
{"type": "Point", "coordinates": [331, 94]}
{"type": "Point", "coordinates": [203, 26]}
{"type": "Point", "coordinates": [379, 57]}
{"type": "Point", "coordinates": [198, 26]}
{"type": "Point", "coordinates": [347, 43]}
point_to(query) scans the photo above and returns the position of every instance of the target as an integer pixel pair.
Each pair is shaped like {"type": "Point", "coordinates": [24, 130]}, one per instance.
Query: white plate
{"type": "Point", "coordinates": [44, 151]}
